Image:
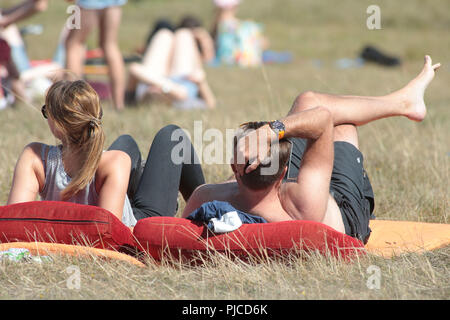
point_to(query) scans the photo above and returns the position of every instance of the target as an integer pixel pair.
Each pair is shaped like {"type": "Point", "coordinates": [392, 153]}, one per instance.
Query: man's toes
{"type": "Point", "coordinates": [436, 66]}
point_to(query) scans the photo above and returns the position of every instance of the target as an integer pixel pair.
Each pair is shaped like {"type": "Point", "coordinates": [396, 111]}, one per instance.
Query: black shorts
{"type": "Point", "coordinates": [349, 185]}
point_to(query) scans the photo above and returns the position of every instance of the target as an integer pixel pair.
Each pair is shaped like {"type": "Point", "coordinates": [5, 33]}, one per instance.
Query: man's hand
{"type": "Point", "coordinates": [253, 149]}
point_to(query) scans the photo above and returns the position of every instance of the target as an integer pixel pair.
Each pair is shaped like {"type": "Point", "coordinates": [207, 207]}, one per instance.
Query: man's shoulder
{"type": "Point", "coordinates": [215, 190]}
{"type": "Point", "coordinates": [209, 192]}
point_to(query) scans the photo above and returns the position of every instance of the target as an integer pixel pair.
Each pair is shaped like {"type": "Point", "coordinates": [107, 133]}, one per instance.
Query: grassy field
{"type": "Point", "coordinates": [408, 163]}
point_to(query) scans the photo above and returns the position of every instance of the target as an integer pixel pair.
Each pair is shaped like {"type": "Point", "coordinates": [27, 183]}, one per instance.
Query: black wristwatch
{"type": "Point", "coordinates": [278, 127]}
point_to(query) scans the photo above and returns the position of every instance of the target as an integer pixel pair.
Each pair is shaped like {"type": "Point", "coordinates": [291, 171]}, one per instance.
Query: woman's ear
{"type": "Point", "coordinates": [54, 129]}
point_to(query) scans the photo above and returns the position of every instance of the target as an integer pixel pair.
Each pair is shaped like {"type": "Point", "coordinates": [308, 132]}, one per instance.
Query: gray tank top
{"type": "Point", "coordinates": [56, 180]}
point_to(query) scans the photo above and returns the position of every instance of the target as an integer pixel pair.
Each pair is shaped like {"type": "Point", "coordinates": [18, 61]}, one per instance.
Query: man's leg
{"type": "Point", "coordinates": [358, 110]}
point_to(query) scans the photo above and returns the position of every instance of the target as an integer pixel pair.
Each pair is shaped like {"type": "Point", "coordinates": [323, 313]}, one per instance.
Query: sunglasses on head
{"type": "Point", "coordinates": [44, 111]}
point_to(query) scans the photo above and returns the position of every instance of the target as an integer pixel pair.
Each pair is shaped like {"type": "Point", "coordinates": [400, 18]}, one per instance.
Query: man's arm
{"type": "Point", "coordinates": [22, 11]}
{"type": "Point", "coordinates": [201, 195]}
{"type": "Point", "coordinates": [307, 198]}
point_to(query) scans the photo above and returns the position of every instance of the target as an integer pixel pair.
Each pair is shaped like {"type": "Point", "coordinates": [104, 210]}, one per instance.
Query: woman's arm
{"type": "Point", "coordinates": [29, 175]}
{"type": "Point", "coordinates": [112, 179]}
{"type": "Point", "coordinates": [22, 11]}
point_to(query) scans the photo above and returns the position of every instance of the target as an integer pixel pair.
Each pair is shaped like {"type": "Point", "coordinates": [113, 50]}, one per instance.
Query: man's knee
{"type": "Point", "coordinates": [305, 100]}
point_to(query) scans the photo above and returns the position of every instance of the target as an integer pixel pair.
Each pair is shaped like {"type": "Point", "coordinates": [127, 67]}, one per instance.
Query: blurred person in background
{"type": "Point", "coordinates": [106, 15]}
{"type": "Point", "coordinates": [10, 55]}
{"type": "Point", "coordinates": [238, 42]}
{"type": "Point", "coordinates": [21, 11]}
{"type": "Point", "coordinates": [172, 66]}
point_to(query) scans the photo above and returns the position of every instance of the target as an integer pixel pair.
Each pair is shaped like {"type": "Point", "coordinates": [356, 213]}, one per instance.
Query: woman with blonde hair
{"type": "Point", "coordinates": [80, 171]}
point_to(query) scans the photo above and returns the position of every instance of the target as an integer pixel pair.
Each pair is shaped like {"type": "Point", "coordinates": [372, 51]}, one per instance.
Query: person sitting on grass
{"type": "Point", "coordinates": [172, 70]}
{"type": "Point", "coordinates": [9, 16]}
{"type": "Point", "coordinates": [11, 86]}
{"type": "Point", "coordinates": [320, 177]}
{"type": "Point", "coordinates": [79, 171]}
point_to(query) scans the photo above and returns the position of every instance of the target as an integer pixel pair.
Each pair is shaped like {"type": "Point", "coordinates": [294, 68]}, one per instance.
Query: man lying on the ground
{"type": "Point", "coordinates": [321, 176]}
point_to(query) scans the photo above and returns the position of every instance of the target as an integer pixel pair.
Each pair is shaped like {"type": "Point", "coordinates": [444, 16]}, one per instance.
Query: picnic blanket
{"type": "Point", "coordinates": [392, 238]}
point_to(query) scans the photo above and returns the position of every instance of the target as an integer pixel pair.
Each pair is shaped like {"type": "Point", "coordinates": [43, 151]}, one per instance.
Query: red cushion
{"type": "Point", "coordinates": [63, 222]}
{"type": "Point", "coordinates": [183, 238]}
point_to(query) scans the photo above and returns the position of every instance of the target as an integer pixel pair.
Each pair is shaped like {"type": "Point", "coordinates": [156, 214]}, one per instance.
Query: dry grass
{"type": "Point", "coordinates": [315, 277]}
{"type": "Point", "coordinates": [408, 162]}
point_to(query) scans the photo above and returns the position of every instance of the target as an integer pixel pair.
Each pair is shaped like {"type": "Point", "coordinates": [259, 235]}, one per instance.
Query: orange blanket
{"type": "Point", "coordinates": [391, 238]}
{"type": "Point", "coordinates": [45, 248]}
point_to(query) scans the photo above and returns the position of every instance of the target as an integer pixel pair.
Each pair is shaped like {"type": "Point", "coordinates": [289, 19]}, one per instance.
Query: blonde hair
{"type": "Point", "coordinates": [74, 106]}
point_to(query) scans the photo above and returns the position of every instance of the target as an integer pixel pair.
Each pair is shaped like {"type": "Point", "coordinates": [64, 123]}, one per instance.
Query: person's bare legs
{"type": "Point", "coordinates": [110, 19]}
{"type": "Point", "coordinates": [158, 66]}
{"type": "Point", "coordinates": [75, 42]}
{"type": "Point", "coordinates": [156, 59]}
{"type": "Point", "coordinates": [186, 60]}
{"type": "Point", "coordinates": [17, 85]}
{"type": "Point", "coordinates": [358, 111]}
{"type": "Point", "coordinates": [158, 55]}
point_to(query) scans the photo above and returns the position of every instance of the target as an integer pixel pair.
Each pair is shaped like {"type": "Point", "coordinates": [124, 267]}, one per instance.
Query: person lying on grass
{"type": "Point", "coordinates": [79, 171]}
{"type": "Point", "coordinates": [320, 174]}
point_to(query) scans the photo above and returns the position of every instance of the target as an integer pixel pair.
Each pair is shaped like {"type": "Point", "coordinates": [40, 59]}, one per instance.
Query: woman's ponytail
{"type": "Point", "coordinates": [75, 107]}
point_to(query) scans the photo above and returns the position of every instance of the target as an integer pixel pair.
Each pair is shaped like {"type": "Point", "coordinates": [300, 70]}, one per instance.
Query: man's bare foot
{"type": "Point", "coordinates": [414, 91]}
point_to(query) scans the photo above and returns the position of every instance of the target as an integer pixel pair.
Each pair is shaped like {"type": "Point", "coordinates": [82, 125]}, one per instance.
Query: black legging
{"type": "Point", "coordinates": [154, 191]}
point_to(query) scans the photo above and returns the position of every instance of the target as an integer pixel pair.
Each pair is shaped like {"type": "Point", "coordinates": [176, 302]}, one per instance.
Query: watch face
{"type": "Point", "coordinates": [278, 125]}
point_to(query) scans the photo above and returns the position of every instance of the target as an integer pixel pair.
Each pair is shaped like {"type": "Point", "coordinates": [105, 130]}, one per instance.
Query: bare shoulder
{"type": "Point", "coordinates": [31, 154]}
{"type": "Point", "coordinates": [33, 149]}
{"type": "Point", "coordinates": [217, 191]}
{"type": "Point", "coordinates": [114, 162]}
{"type": "Point", "coordinates": [28, 173]}
{"type": "Point", "coordinates": [209, 192]}
{"type": "Point", "coordinates": [114, 159]}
